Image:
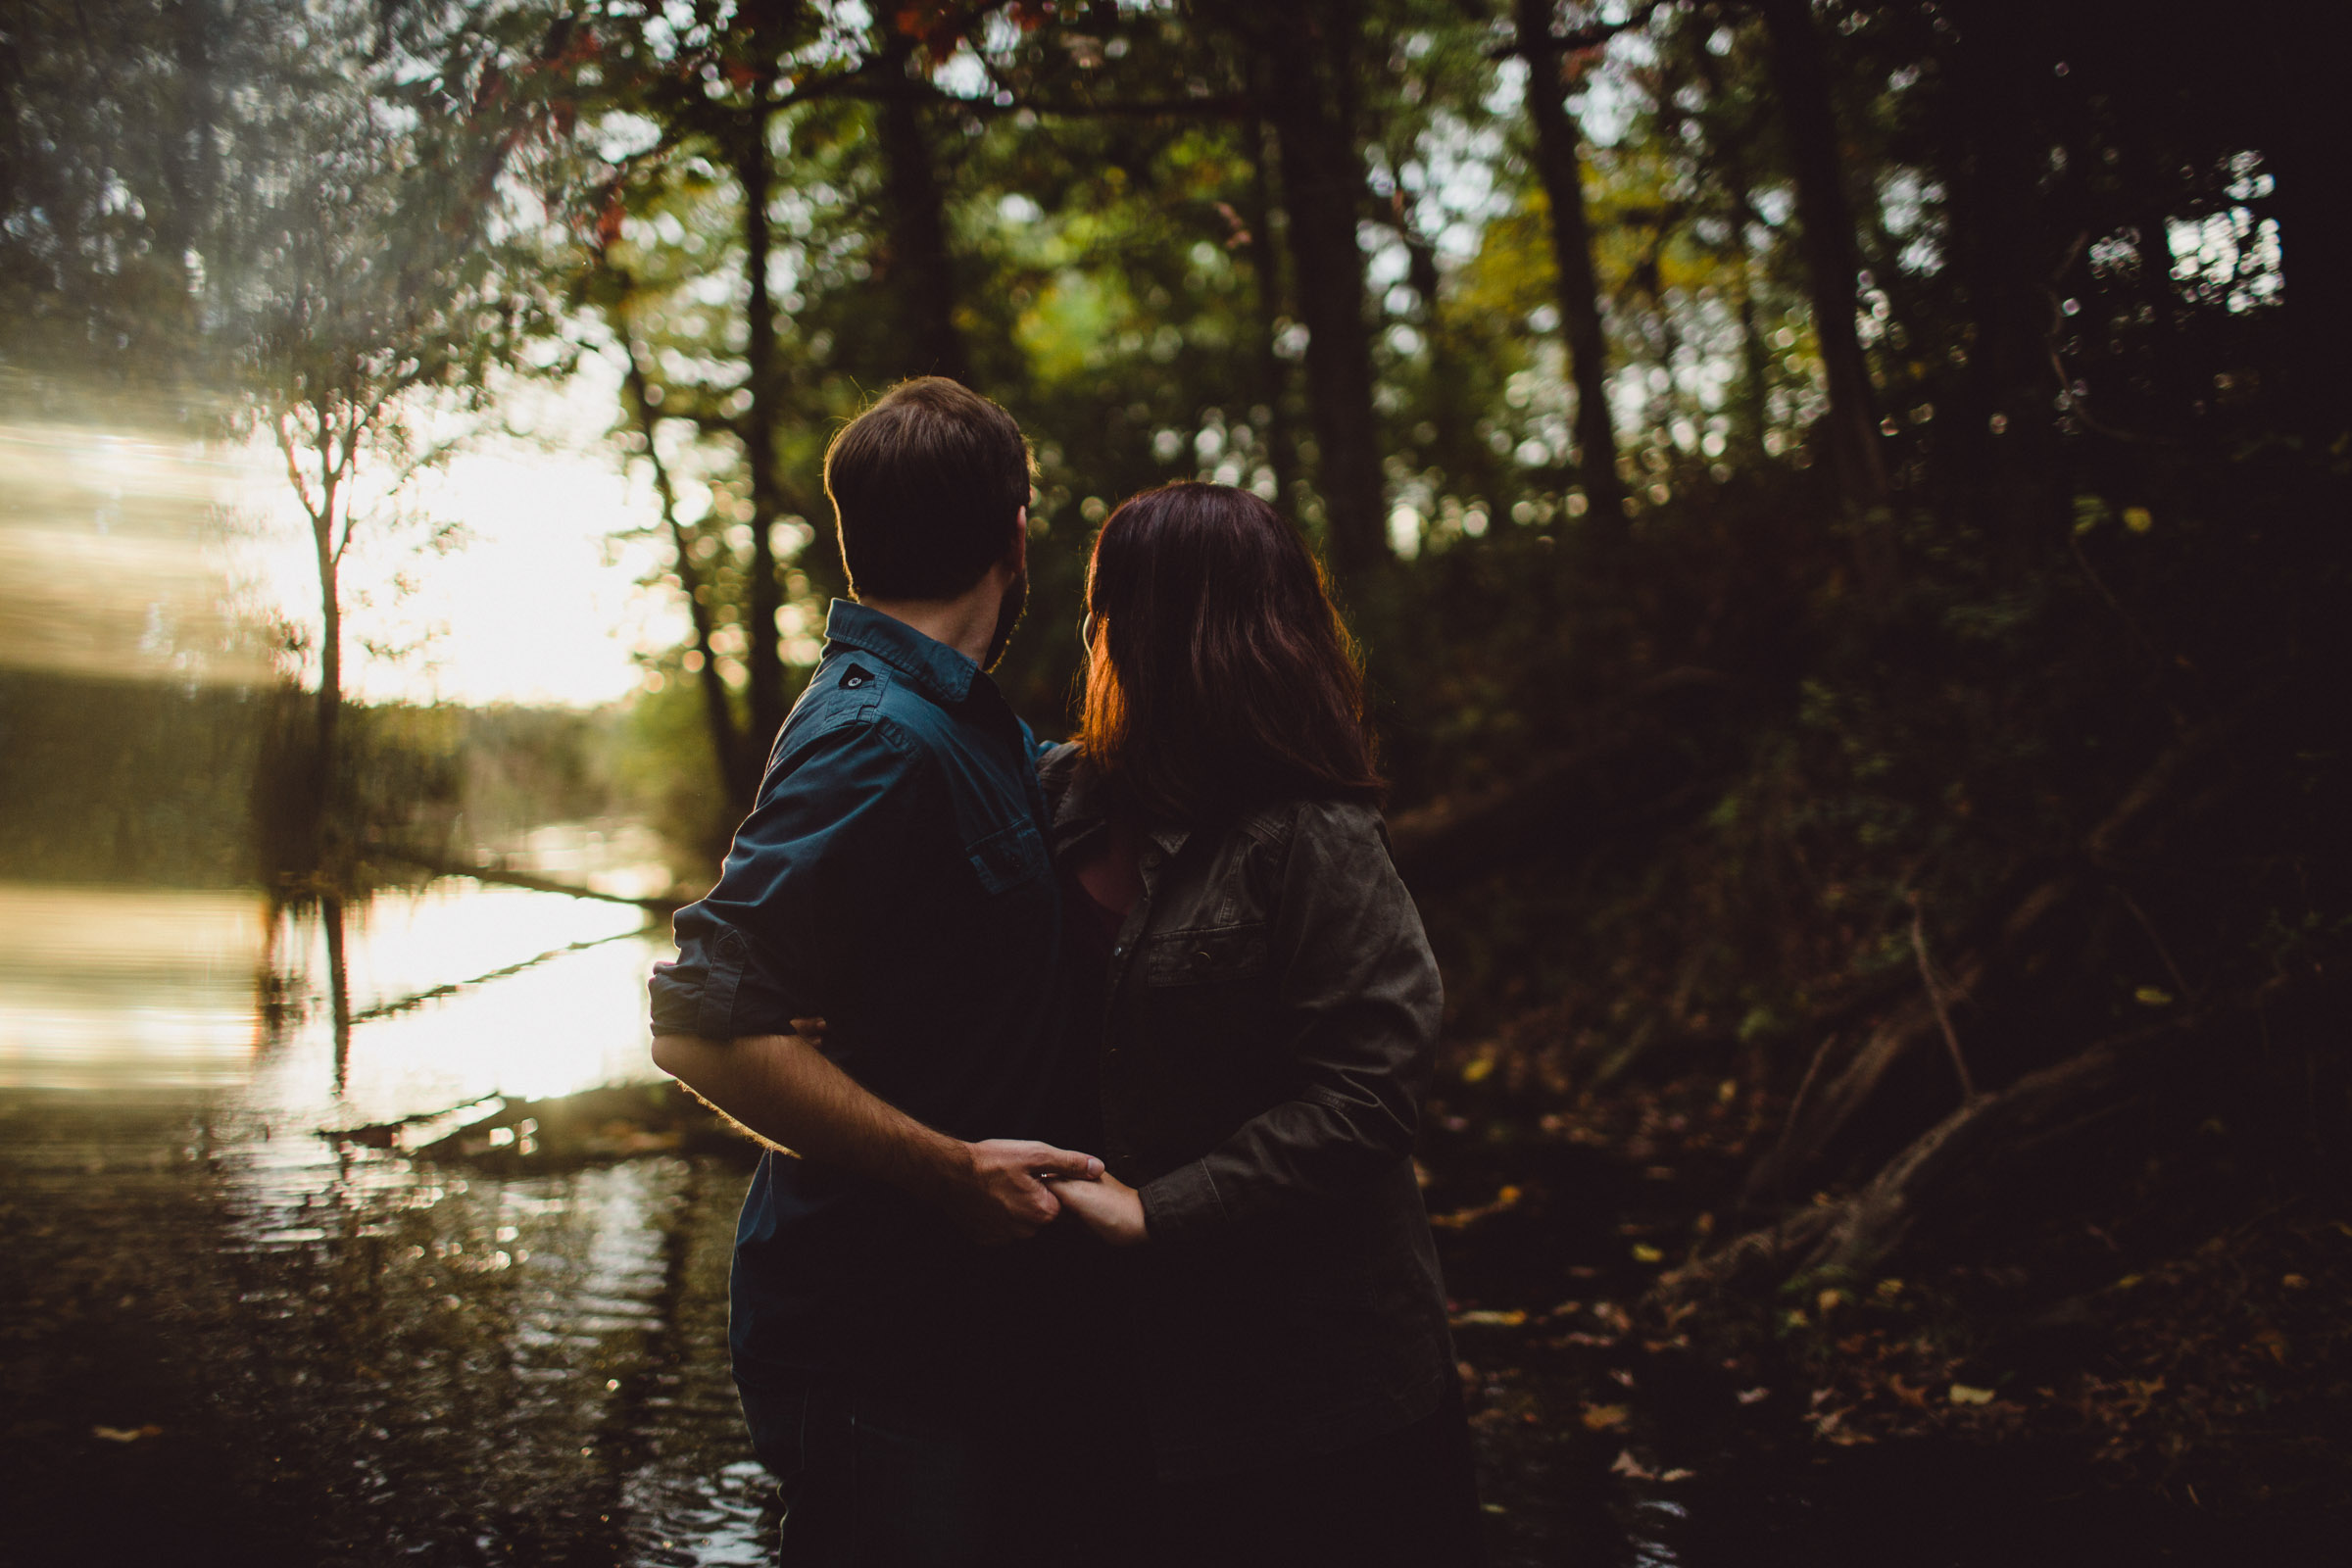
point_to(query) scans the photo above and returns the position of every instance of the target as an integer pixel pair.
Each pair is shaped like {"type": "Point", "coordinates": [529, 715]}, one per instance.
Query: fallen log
{"type": "Point", "coordinates": [1851, 1236]}
{"type": "Point", "coordinates": [442, 866]}
{"type": "Point", "coordinates": [1849, 1071]}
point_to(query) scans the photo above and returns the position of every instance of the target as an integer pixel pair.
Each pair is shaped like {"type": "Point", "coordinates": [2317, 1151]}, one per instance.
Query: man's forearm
{"type": "Point", "coordinates": [788, 1092]}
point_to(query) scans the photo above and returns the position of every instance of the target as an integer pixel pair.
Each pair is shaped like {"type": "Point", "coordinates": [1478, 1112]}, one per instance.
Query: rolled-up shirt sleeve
{"type": "Point", "coordinates": [808, 874]}
{"type": "Point", "coordinates": [1358, 1008]}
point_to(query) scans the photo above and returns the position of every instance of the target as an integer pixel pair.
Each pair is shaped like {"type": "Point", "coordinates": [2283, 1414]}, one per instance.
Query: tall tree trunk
{"type": "Point", "coordinates": [1826, 240]}
{"type": "Point", "coordinates": [1998, 432]}
{"type": "Point", "coordinates": [327, 724]}
{"type": "Point", "coordinates": [2304, 141]}
{"type": "Point", "coordinates": [1451, 403]}
{"type": "Point", "coordinates": [1755, 372]}
{"type": "Point", "coordinates": [1560, 165]}
{"type": "Point", "coordinates": [738, 766]}
{"type": "Point", "coordinates": [1311, 49]}
{"type": "Point", "coordinates": [338, 987]}
{"type": "Point", "coordinates": [922, 273]}
{"type": "Point", "coordinates": [1753, 414]}
{"type": "Point", "coordinates": [1273, 374]}
{"type": "Point", "coordinates": [765, 595]}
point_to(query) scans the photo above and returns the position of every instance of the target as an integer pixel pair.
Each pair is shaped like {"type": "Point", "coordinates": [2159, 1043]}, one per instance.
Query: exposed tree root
{"type": "Point", "coordinates": [1853, 1236]}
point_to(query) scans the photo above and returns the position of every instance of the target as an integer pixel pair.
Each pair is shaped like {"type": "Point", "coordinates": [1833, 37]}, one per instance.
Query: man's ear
{"type": "Point", "coordinates": [1021, 540]}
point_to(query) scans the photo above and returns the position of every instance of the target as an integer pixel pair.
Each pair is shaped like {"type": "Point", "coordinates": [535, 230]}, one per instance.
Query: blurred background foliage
{"type": "Point", "coordinates": [1844, 502]}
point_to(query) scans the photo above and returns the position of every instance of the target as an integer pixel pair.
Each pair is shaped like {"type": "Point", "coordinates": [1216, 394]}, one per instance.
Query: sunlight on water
{"type": "Point", "coordinates": [482, 1365]}
{"type": "Point", "coordinates": [449, 993]}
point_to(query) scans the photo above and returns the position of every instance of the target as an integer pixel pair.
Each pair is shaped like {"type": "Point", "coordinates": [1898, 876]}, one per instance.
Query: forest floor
{"type": "Point", "coordinates": [2173, 1384]}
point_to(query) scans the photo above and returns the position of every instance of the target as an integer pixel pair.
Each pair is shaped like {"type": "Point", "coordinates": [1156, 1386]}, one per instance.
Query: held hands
{"type": "Point", "coordinates": [1008, 1189]}
{"type": "Point", "coordinates": [1107, 1206]}
{"type": "Point", "coordinates": [995, 1192]}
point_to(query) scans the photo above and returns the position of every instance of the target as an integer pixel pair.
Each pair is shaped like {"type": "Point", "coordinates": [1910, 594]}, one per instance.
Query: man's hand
{"type": "Point", "coordinates": [993, 1192]}
{"type": "Point", "coordinates": [788, 1092]}
{"type": "Point", "coordinates": [1109, 1207]}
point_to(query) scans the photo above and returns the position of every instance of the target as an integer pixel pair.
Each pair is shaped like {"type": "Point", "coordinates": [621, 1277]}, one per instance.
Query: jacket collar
{"type": "Point", "coordinates": [940, 672]}
{"type": "Point", "coordinates": [1082, 804]}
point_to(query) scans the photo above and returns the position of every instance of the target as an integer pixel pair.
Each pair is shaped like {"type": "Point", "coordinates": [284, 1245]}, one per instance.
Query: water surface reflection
{"type": "Point", "coordinates": [231, 1338]}
{"type": "Point", "coordinates": [105, 988]}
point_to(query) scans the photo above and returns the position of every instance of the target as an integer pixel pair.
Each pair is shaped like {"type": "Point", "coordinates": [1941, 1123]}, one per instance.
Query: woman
{"type": "Point", "coordinates": [1269, 1011]}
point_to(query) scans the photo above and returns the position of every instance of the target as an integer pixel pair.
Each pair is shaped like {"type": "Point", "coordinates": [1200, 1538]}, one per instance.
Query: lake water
{"type": "Point", "coordinates": [231, 1337]}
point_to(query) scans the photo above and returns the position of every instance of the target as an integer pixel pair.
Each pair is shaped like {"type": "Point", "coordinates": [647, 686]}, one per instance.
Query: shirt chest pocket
{"type": "Point", "coordinates": [1210, 956]}
{"type": "Point", "coordinates": [1013, 856]}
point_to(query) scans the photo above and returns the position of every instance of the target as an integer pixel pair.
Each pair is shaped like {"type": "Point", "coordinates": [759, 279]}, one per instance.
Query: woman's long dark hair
{"type": "Point", "coordinates": [1219, 672]}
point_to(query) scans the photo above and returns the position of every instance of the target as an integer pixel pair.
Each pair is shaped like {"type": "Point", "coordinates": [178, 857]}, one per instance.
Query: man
{"type": "Point", "coordinates": [891, 880]}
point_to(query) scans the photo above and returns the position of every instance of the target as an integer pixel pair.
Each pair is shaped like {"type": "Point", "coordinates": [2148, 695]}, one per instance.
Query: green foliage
{"type": "Point", "coordinates": [663, 769]}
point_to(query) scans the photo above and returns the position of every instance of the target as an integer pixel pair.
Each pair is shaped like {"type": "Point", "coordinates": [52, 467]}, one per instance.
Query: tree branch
{"type": "Point", "coordinates": [1936, 999]}
{"type": "Point", "coordinates": [1591, 37]}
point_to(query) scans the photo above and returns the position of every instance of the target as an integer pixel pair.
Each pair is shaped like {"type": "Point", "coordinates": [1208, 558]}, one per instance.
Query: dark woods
{"type": "Point", "coordinates": [1843, 502]}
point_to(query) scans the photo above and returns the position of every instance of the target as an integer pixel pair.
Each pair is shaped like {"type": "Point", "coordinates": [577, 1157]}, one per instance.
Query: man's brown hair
{"type": "Point", "coordinates": [925, 484]}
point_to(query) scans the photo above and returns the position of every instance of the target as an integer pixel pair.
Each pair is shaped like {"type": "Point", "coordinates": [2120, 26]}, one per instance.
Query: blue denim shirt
{"type": "Point", "coordinates": [892, 879]}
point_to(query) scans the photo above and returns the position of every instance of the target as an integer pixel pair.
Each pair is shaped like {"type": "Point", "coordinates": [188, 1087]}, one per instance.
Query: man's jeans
{"type": "Point", "coordinates": [881, 1480]}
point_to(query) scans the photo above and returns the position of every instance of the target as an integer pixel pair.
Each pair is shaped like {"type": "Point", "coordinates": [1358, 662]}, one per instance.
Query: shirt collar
{"type": "Point", "coordinates": [938, 669]}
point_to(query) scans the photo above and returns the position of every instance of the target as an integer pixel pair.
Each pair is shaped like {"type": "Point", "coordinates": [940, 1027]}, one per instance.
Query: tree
{"type": "Point", "coordinates": [1826, 236]}
{"type": "Point", "coordinates": [372, 286]}
{"type": "Point", "coordinates": [1563, 176]}
{"type": "Point", "coordinates": [1308, 87]}
{"type": "Point", "coordinates": [110, 168]}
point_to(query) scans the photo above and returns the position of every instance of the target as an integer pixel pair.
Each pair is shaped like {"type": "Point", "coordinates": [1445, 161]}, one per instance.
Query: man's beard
{"type": "Point", "coordinates": [1008, 618]}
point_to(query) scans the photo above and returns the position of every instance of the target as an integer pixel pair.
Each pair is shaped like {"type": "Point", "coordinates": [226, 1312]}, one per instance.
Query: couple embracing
{"type": "Point", "coordinates": [1099, 1064]}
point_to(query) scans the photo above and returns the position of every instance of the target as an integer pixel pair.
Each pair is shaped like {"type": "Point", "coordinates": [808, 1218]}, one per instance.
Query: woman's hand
{"type": "Point", "coordinates": [1107, 1206]}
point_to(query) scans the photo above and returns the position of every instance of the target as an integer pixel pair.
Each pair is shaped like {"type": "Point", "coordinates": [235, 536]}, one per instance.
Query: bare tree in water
{"type": "Point", "coordinates": [376, 276]}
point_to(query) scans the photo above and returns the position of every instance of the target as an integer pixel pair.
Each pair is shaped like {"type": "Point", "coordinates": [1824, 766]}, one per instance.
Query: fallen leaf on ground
{"type": "Point", "coordinates": [1507, 1198]}
{"type": "Point", "coordinates": [1676, 1475]}
{"type": "Point", "coordinates": [1488, 1318]}
{"type": "Point", "coordinates": [1644, 1253]}
{"type": "Point", "coordinates": [1962, 1394]}
{"type": "Point", "coordinates": [126, 1434]}
{"type": "Point", "coordinates": [1602, 1417]}
{"type": "Point", "coordinates": [1630, 1467]}
{"type": "Point", "coordinates": [1752, 1396]}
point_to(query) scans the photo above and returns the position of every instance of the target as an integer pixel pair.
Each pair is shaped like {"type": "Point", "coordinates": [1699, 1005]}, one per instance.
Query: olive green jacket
{"type": "Point", "coordinates": [1270, 1023]}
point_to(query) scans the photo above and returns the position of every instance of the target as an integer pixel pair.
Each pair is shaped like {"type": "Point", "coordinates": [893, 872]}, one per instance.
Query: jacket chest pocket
{"type": "Point", "coordinates": [1010, 858]}
{"type": "Point", "coordinates": [1206, 957]}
